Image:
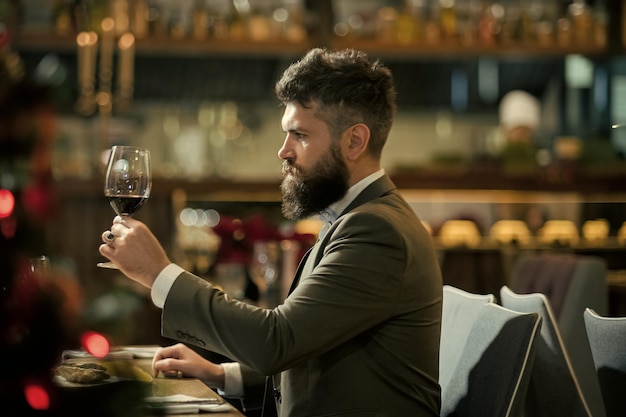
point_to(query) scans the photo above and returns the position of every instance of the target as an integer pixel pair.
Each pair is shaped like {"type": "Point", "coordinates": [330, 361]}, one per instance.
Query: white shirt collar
{"type": "Point", "coordinates": [333, 211]}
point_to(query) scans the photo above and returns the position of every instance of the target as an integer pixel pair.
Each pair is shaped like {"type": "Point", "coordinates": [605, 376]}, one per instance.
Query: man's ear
{"type": "Point", "coordinates": [358, 139]}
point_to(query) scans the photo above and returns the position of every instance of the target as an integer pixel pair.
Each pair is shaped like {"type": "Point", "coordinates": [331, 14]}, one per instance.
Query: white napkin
{"type": "Point", "coordinates": [123, 352]}
{"type": "Point", "coordinates": [141, 352]}
{"type": "Point", "coordinates": [79, 353]}
{"type": "Point", "coordinates": [185, 404]}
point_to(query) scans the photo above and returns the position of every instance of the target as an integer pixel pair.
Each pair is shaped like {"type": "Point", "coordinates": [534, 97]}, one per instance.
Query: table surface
{"type": "Point", "coordinates": [164, 386]}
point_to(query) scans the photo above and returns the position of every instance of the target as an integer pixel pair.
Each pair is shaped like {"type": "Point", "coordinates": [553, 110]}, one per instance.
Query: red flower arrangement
{"type": "Point", "coordinates": [238, 237]}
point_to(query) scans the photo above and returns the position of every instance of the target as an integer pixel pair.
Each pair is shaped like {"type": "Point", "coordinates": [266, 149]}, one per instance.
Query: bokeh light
{"type": "Point", "coordinates": [95, 343]}
{"type": "Point", "coordinates": [198, 217]}
{"type": "Point", "coordinates": [37, 397]}
{"type": "Point", "coordinates": [7, 203]}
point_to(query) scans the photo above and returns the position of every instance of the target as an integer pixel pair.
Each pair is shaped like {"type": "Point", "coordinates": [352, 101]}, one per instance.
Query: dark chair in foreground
{"type": "Point", "coordinates": [554, 390]}
{"type": "Point", "coordinates": [607, 338]}
{"type": "Point", "coordinates": [492, 374]}
{"type": "Point", "coordinates": [571, 283]}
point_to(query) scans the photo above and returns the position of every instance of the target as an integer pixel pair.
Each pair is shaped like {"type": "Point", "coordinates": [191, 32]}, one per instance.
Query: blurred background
{"type": "Point", "coordinates": [509, 110]}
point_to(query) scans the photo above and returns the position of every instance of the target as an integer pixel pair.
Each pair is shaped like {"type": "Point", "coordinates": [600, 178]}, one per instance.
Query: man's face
{"type": "Point", "coordinates": [314, 172]}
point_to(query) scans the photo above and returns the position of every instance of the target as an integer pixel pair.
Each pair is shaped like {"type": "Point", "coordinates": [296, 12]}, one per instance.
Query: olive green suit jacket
{"type": "Point", "coordinates": [359, 333]}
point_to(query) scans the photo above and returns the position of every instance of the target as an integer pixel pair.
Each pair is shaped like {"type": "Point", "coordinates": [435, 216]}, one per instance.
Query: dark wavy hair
{"type": "Point", "coordinates": [349, 89]}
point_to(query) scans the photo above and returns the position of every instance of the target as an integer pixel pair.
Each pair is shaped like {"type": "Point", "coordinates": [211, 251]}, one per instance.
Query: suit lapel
{"type": "Point", "coordinates": [301, 264]}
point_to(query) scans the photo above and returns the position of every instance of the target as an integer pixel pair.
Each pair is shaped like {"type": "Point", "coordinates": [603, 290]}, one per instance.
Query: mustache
{"type": "Point", "coordinates": [289, 167]}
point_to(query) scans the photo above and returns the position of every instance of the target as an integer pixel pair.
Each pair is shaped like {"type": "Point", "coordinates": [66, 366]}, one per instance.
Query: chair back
{"type": "Point", "coordinates": [554, 390]}
{"type": "Point", "coordinates": [607, 338]}
{"type": "Point", "coordinates": [492, 375]}
{"type": "Point", "coordinates": [459, 312]}
{"type": "Point", "coordinates": [571, 283]}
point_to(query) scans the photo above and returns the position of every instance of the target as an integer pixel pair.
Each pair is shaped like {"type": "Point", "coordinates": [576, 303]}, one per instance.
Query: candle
{"type": "Point", "coordinates": [126, 46]}
{"type": "Point", "coordinates": [87, 51]}
{"type": "Point", "coordinates": [106, 53]}
{"type": "Point", "coordinates": [81, 43]}
{"type": "Point", "coordinates": [119, 11]}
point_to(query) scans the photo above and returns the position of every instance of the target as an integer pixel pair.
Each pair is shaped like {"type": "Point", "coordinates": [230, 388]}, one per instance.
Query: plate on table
{"type": "Point", "coordinates": [77, 374]}
{"type": "Point", "coordinates": [112, 386]}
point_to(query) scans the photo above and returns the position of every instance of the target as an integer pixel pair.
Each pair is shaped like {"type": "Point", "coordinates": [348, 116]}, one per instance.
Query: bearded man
{"type": "Point", "coordinates": [358, 334]}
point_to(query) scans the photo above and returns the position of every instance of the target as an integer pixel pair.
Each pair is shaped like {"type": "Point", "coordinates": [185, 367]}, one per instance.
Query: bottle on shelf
{"type": "Point", "coordinates": [580, 16]}
{"type": "Point", "coordinates": [62, 17]}
{"type": "Point", "coordinates": [600, 24]}
{"type": "Point", "coordinates": [448, 20]}
{"type": "Point", "coordinates": [200, 22]}
{"type": "Point", "coordinates": [410, 22]}
{"type": "Point", "coordinates": [386, 24]}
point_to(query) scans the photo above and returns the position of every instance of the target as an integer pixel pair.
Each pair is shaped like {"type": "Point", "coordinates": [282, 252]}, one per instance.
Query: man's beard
{"type": "Point", "coordinates": [305, 194]}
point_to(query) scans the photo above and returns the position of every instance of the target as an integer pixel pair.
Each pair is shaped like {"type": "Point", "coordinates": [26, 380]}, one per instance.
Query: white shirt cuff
{"type": "Point", "coordinates": [163, 283]}
{"type": "Point", "coordinates": [233, 380]}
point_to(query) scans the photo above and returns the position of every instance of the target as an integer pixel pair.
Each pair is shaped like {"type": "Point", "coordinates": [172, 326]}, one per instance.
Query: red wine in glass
{"type": "Point", "coordinates": [126, 205]}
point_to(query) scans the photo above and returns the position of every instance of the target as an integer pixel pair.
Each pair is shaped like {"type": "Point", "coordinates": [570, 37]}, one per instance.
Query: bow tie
{"type": "Point", "coordinates": [328, 216]}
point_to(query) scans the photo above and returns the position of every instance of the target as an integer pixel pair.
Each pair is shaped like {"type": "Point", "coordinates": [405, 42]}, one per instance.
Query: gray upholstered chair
{"type": "Point", "coordinates": [607, 338]}
{"type": "Point", "coordinates": [492, 374]}
{"type": "Point", "coordinates": [459, 312]}
{"type": "Point", "coordinates": [571, 283]}
{"type": "Point", "coordinates": [554, 390]}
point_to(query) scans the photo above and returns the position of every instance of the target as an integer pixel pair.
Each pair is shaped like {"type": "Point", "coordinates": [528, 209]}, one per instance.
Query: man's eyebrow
{"type": "Point", "coordinates": [293, 129]}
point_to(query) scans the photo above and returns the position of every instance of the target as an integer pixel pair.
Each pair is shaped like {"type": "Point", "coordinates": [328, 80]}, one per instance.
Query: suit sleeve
{"type": "Point", "coordinates": [253, 387]}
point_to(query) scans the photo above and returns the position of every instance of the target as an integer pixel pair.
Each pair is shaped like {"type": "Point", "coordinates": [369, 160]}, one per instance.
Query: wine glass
{"type": "Point", "coordinates": [128, 182]}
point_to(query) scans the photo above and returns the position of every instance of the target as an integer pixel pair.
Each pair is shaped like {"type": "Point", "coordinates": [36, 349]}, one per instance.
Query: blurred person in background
{"type": "Point", "coordinates": [359, 332]}
{"type": "Point", "coordinates": [520, 118]}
